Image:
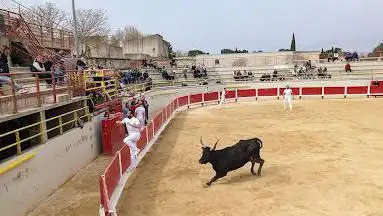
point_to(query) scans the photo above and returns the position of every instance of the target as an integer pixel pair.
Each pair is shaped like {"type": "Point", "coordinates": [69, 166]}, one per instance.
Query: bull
{"type": "Point", "coordinates": [232, 157]}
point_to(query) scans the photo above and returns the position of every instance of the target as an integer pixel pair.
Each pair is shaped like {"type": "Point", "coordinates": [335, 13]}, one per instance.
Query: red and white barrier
{"type": "Point", "coordinates": [116, 174]}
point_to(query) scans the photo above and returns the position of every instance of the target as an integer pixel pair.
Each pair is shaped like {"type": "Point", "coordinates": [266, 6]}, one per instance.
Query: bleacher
{"type": "Point", "coordinates": [365, 70]}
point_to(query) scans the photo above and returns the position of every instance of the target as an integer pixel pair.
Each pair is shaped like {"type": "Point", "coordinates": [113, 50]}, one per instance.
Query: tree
{"type": "Point", "coordinates": [283, 50]}
{"type": "Point", "coordinates": [377, 52]}
{"type": "Point", "coordinates": [91, 22]}
{"type": "Point", "coordinates": [127, 33]}
{"type": "Point", "coordinates": [195, 52]}
{"type": "Point", "coordinates": [48, 15]}
{"type": "Point", "coordinates": [293, 46]}
{"type": "Point", "coordinates": [179, 53]}
{"type": "Point", "coordinates": [228, 51]}
{"type": "Point", "coordinates": [333, 50]}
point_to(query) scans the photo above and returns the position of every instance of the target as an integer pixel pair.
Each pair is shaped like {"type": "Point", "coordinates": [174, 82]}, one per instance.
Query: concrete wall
{"type": "Point", "coordinates": [153, 45]}
{"type": "Point", "coordinates": [185, 61]}
{"type": "Point", "coordinates": [255, 59]}
{"type": "Point", "coordinates": [24, 187]}
{"type": "Point", "coordinates": [99, 47]}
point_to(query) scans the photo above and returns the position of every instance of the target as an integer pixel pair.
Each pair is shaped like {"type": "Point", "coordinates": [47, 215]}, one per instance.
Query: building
{"type": "Point", "coordinates": [259, 59]}
{"type": "Point", "coordinates": [152, 45]}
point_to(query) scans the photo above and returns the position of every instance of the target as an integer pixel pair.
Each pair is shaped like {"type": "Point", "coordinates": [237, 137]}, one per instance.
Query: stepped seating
{"type": "Point", "coordinates": [37, 40]}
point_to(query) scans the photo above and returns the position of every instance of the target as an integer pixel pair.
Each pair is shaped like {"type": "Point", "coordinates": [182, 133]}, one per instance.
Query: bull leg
{"type": "Point", "coordinates": [261, 162]}
{"type": "Point", "coordinates": [216, 177]}
{"type": "Point", "coordinates": [252, 160]}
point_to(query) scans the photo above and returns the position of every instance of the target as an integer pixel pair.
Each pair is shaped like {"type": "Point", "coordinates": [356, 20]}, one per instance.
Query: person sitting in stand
{"type": "Point", "coordinates": [4, 69]}
{"type": "Point", "coordinates": [347, 68]}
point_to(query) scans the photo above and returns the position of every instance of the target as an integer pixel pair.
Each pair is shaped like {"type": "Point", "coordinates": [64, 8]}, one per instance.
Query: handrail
{"type": "Point", "coordinates": [42, 131]}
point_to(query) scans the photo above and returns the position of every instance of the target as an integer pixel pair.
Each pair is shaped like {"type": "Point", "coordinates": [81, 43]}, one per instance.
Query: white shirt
{"type": "Point", "coordinates": [37, 66]}
{"type": "Point", "coordinates": [288, 93]}
{"type": "Point", "coordinates": [140, 114]}
{"type": "Point", "coordinates": [129, 127]}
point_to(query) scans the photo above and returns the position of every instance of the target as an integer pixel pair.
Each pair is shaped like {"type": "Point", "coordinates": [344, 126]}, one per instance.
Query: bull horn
{"type": "Point", "coordinates": [201, 142]}
{"type": "Point", "coordinates": [215, 145]}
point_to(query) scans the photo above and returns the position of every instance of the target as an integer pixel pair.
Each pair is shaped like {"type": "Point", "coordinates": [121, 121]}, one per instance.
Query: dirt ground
{"type": "Point", "coordinates": [77, 197]}
{"type": "Point", "coordinates": [324, 158]}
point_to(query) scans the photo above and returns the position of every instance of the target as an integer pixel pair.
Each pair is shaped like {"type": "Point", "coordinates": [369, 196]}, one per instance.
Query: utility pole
{"type": "Point", "coordinates": [76, 45]}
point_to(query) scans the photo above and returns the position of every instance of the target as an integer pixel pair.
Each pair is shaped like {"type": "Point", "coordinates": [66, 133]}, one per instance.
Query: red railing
{"type": "Point", "coordinates": [121, 161]}
{"type": "Point", "coordinates": [32, 89]}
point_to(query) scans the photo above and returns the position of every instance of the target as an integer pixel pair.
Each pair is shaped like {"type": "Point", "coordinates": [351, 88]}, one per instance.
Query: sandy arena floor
{"type": "Point", "coordinates": [324, 158]}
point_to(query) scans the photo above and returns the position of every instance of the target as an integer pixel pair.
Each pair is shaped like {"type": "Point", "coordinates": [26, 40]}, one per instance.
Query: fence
{"type": "Point", "coordinates": [48, 88]}
{"type": "Point", "coordinates": [36, 93]}
{"type": "Point", "coordinates": [44, 128]}
{"type": "Point", "coordinates": [118, 170]}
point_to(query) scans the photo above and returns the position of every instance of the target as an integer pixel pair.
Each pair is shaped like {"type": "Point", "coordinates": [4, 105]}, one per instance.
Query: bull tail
{"type": "Point", "coordinates": [259, 142]}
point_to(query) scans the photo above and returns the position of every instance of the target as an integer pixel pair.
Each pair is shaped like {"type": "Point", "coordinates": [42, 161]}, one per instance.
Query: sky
{"type": "Point", "coordinates": [268, 25]}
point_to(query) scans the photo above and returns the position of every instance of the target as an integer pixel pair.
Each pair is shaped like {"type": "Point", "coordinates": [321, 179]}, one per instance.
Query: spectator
{"type": "Point", "coordinates": [126, 109]}
{"type": "Point", "coordinates": [4, 69]}
{"type": "Point", "coordinates": [185, 74]}
{"type": "Point", "coordinates": [133, 104]}
{"type": "Point", "coordinates": [81, 65]}
{"type": "Point", "coordinates": [59, 71]}
{"type": "Point", "coordinates": [139, 113]}
{"type": "Point", "coordinates": [347, 68]}
{"type": "Point", "coordinates": [146, 106]}
{"type": "Point", "coordinates": [39, 65]}
{"type": "Point", "coordinates": [145, 75]}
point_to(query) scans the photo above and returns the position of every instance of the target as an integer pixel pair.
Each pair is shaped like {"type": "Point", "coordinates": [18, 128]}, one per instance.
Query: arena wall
{"type": "Point", "coordinates": [24, 187]}
{"type": "Point", "coordinates": [115, 176]}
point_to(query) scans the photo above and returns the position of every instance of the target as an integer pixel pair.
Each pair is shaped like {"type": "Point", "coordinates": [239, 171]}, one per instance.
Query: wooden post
{"type": "Point", "coordinates": [18, 143]}
{"type": "Point", "coordinates": [61, 125]}
{"type": "Point", "coordinates": [14, 95]}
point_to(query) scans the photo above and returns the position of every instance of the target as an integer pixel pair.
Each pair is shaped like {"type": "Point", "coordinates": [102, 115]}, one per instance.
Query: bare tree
{"type": "Point", "coordinates": [127, 33]}
{"type": "Point", "coordinates": [48, 15]}
{"type": "Point", "coordinates": [91, 22]}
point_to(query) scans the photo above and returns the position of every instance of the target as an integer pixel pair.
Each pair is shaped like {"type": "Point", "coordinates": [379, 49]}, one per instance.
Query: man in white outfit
{"type": "Point", "coordinates": [133, 126]}
{"type": "Point", "coordinates": [288, 97]}
{"type": "Point", "coordinates": [140, 114]}
{"type": "Point", "coordinates": [223, 96]}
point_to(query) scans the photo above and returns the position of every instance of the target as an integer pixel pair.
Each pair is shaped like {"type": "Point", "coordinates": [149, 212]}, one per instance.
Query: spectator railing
{"type": "Point", "coordinates": [113, 180]}
{"type": "Point", "coordinates": [47, 88]}
{"type": "Point", "coordinates": [64, 122]}
{"type": "Point", "coordinates": [47, 37]}
{"type": "Point", "coordinates": [37, 93]}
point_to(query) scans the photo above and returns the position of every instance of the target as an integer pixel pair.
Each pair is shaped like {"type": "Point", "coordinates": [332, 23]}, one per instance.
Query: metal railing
{"type": "Point", "coordinates": [43, 132]}
{"type": "Point", "coordinates": [59, 123]}
{"type": "Point", "coordinates": [47, 88]}
{"type": "Point", "coordinates": [47, 37]}
{"type": "Point", "coordinates": [33, 93]}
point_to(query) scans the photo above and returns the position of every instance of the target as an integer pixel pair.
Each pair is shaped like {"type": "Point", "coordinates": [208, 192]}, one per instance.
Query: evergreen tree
{"type": "Point", "coordinates": [293, 47]}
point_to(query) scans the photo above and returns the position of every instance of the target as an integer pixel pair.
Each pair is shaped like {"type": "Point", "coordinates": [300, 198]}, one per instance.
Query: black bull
{"type": "Point", "coordinates": [232, 157]}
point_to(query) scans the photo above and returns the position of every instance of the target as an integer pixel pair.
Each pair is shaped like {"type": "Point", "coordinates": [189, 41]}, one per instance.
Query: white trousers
{"type": "Point", "coordinates": [287, 101]}
{"type": "Point", "coordinates": [131, 141]}
{"type": "Point", "coordinates": [223, 99]}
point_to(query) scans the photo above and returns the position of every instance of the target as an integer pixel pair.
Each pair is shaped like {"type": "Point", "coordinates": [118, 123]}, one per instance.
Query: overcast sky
{"type": "Point", "coordinates": [211, 25]}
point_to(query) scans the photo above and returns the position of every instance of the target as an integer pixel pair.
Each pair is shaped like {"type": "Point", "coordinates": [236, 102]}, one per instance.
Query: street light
{"type": "Point", "coordinates": [75, 29]}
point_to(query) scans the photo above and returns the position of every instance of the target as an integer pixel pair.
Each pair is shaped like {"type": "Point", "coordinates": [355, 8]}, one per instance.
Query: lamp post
{"type": "Point", "coordinates": [75, 30]}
